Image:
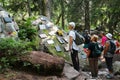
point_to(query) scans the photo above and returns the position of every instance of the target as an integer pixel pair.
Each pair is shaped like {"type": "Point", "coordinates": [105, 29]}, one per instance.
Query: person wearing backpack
{"type": "Point", "coordinates": [87, 37]}
{"type": "Point", "coordinates": [117, 47]}
{"type": "Point", "coordinates": [108, 52]}
{"type": "Point", "coordinates": [94, 52]}
{"type": "Point", "coordinates": [73, 48]}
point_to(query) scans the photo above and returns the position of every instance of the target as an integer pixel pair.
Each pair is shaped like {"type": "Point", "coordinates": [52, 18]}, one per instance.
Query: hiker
{"type": "Point", "coordinates": [102, 43]}
{"type": "Point", "coordinates": [73, 48]}
{"type": "Point", "coordinates": [108, 56]}
{"type": "Point", "coordinates": [103, 38]}
{"type": "Point", "coordinates": [86, 35]}
{"type": "Point", "coordinates": [117, 47]}
{"type": "Point", "coordinates": [93, 59]}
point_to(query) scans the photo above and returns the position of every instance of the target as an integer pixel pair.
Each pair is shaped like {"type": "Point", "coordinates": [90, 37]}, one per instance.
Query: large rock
{"type": "Point", "coordinates": [116, 66]}
{"type": "Point", "coordinates": [116, 57]}
{"type": "Point", "coordinates": [70, 72]}
{"type": "Point", "coordinates": [48, 64]}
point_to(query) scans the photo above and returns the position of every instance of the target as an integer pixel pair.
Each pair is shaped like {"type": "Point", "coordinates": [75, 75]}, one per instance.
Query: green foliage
{"type": "Point", "coordinates": [75, 11]}
{"type": "Point", "coordinates": [27, 31]}
{"type": "Point", "coordinates": [102, 12]}
{"type": "Point", "coordinates": [11, 50]}
{"type": "Point", "coordinates": [26, 64]}
{"type": "Point", "coordinates": [10, 46]}
{"type": "Point", "coordinates": [35, 44]}
{"type": "Point", "coordinates": [106, 14]}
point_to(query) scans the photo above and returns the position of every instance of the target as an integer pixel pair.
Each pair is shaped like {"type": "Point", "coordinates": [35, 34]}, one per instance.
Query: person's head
{"type": "Point", "coordinates": [94, 38]}
{"type": "Point", "coordinates": [109, 35]}
{"type": "Point", "coordinates": [71, 25]}
{"type": "Point", "coordinates": [102, 33]}
{"type": "Point", "coordinates": [86, 31]}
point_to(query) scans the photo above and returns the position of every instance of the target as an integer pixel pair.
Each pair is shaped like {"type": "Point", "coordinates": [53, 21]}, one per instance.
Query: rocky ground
{"type": "Point", "coordinates": [68, 74]}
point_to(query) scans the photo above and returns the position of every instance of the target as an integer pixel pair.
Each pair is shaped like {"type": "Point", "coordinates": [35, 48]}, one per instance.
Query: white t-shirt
{"type": "Point", "coordinates": [74, 46]}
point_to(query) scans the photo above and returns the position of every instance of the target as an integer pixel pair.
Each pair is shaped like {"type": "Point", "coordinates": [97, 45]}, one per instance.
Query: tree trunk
{"type": "Point", "coordinates": [48, 8]}
{"type": "Point", "coordinates": [62, 8]}
{"type": "Point", "coordinates": [45, 7]}
{"type": "Point", "coordinates": [112, 23]}
{"type": "Point", "coordinates": [41, 5]}
{"type": "Point", "coordinates": [28, 6]}
{"type": "Point", "coordinates": [87, 18]}
{"type": "Point", "coordinates": [58, 19]}
{"type": "Point", "coordinates": [3, 3]}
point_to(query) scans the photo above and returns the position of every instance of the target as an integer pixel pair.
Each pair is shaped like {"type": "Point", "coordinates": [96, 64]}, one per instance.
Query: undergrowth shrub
{"type": "Point", "coordinates": [11, 50]}
{"type": "Point", "coordinates": [27, 30]}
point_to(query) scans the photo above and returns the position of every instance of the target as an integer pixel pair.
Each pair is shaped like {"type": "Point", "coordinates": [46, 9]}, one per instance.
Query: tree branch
{"type": "Point", "coordinates": [58, 18]}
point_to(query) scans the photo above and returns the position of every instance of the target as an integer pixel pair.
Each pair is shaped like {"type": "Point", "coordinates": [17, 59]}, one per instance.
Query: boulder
{"type": "Point", "coordinates": [116, 66]}
{"type": "Point", "coordinates": [47, 63]}
{"type": "Point", "coordinates": [116, 57]}
{"type": "Point", "coordinates": [70, 72]}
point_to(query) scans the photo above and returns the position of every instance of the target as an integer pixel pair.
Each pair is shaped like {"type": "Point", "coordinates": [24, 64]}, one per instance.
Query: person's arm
{"type": "Point", "coordinates": [102, 42]}
{"type": "Point", "coordinates": [88, 52]}
{"type": "Point", "coordinates": [70, 42]}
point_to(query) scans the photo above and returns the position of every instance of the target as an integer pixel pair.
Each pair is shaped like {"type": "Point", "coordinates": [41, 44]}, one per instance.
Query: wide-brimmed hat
{"type": "Point", "coordinates": [109, 35]}
{"type": "Point", "coordinates": [72, 24]}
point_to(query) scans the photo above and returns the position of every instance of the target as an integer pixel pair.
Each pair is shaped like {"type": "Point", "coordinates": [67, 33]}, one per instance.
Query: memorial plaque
{"type": "Point", "coordinates": [50, 41]}
{"type": "Point", "coordinates": [67, 47]}
{"type": "Point", "coordinates": [57, 47]}
{"type": "Point", "coordinates": [7, 19]}
{"type": "Point", "coordinates": [42, 27]}
{"type": "Point", "coordinates": [60, 40]}
{"type": "Point", "coordinates": [49, 24]}
{"type": "Point", "coordinates": [65, 39]}
{"type": "Point", "coordinates": [52, 33]}
{"type": "Point", "coordinates": [42, 36]}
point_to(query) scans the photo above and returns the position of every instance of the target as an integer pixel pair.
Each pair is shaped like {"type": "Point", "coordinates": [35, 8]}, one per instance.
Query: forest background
{"type": "Point", "coordinates": [103, 15]}
{"type": "Point", "coordinates": [90, 14]}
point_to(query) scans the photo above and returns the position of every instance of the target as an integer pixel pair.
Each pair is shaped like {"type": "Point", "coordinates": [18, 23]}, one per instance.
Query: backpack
{"type": "Point", "coordinates": [112, 47]}
{"type": "Point", "coordinates": [79, 38]}
{"type": "Point", "coordinates": [97, 51]}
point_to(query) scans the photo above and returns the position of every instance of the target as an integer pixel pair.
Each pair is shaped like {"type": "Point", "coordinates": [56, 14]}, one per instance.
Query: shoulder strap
{"type": "Point", "coordinates": [111, 43]}
{"type": "Point", "coordinates": [75, 35]}
{"type": "Point", "coordinates": [96, 45]}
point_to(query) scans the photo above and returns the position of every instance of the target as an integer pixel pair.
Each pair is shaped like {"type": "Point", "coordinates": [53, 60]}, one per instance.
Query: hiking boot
{"type": "Point", "coordinates": [109, 76]}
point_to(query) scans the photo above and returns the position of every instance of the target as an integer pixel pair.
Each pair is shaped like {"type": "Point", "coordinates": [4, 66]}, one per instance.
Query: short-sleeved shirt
{"type": "Point", "coordinates": [104, 39]}
{"type": "Point", "coordinates": [74, 46]}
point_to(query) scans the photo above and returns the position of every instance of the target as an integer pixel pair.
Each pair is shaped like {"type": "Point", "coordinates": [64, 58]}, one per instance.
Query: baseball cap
{"type": "Point", "coordinates": [72, 24]}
